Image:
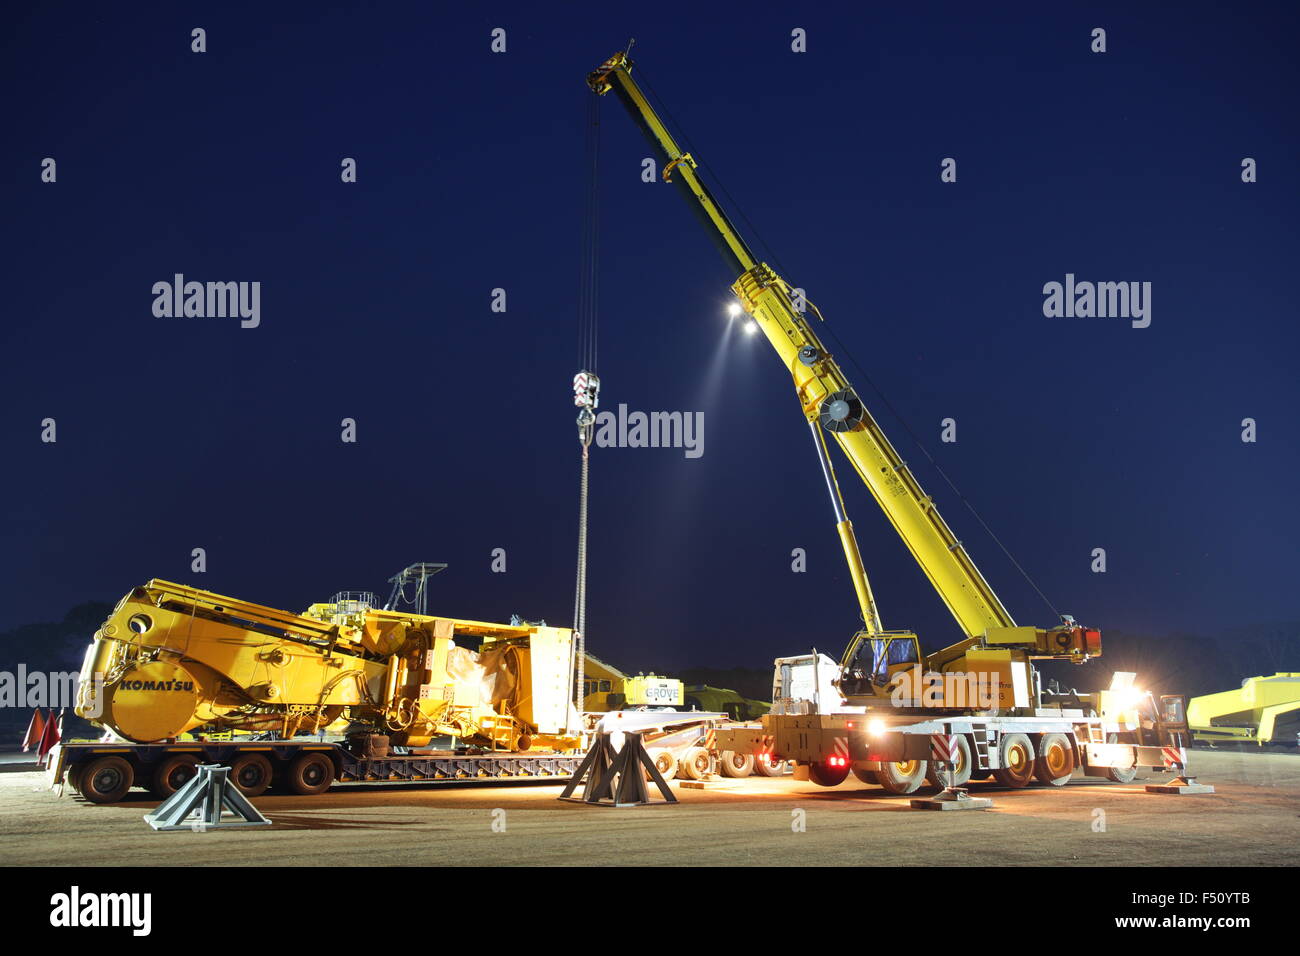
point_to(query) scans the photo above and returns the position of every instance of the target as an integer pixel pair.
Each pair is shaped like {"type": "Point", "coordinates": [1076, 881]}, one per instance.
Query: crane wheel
{"type": "Point", "coordinates": [825, 775]}
{"type": "Point", "coordinates": [1017, 759]}
{"type": "Point", "coordinates": [171, 774]}
{"type": "Point", "coordinates": [902, 777]}
{"type": "Point", "coordinates": [664, 762]}
{"type": "Point", "coordinates": [866, 776]}
{"type": "Point", "coordinates": [309, 774]}
{"type": "Point", "coordinates": [936, 774]}
{"type": "Point", "coordinates": [696, 763]}
{"type": "Point", "coordinates": [73, 777]}
{"type": "Point", "coordinates": [736, 765]}
{"type": "Point", "coordinates": [1055, 760]}
{"type": "Point", "coordinates": [251, 773]}
{"type": "Point", "coordinates": [765, 766]}
{"type": "Point", "coordinates": [1119, 774]}
{"type": "Point", "coordinates": [107, 779]}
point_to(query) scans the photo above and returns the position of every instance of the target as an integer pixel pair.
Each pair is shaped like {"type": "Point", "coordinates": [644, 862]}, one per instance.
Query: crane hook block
{"type": "Point", "coordinates": [841, 411]}
{"type": "Point", "coordinates": [586, 390]}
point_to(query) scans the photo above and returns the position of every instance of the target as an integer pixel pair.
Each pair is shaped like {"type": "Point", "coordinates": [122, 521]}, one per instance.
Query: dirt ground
{"type": "Point", "coordinates": [1253, 819]}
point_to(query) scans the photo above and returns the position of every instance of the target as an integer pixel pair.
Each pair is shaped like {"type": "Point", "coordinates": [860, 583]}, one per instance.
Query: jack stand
{"type": "Point", "coordinates": [1182, 785]}
{"type": "Point", "coordinates": [614, 778]}
{"type": "Point", "coordinates": [952, 798]}
{"type": "Point", "coordinates": [202, 803]}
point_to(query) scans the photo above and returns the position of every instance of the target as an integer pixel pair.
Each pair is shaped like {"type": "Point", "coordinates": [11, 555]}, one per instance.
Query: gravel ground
{"type": "Point", "coordinates": [1253, 819]}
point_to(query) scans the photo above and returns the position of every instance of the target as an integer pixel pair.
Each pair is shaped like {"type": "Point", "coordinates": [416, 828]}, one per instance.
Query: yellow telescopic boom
{"type": "Point", "coordinates": [825, 395]}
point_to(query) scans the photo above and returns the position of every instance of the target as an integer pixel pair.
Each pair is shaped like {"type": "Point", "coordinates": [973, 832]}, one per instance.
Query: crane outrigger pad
{"type": "Point", "coordinates": [614, 777]}
{"type": "Point", "coordinates": [952, 798]}
{"type": "Point", "coordinates": [202, 803]}
{"type": "Point", "coordinates": [1180, 785]}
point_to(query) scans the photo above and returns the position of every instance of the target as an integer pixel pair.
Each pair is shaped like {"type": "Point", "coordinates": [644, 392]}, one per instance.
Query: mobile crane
{"type": "Point", "coordinates": [983, 690]}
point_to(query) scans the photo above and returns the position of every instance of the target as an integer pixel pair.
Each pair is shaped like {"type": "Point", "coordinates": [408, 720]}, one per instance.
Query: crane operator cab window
{"type": "Point", "coordinates": [874, 662]}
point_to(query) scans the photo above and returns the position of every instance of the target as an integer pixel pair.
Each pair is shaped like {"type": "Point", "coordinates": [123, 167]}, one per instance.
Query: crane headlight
{"type": "Point", "coordinates": [734, 309]}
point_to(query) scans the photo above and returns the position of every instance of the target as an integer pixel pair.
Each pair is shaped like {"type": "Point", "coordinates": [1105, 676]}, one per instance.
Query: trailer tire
{"type": "Point", "coordinates": [826, 776]}
{"type": "Point", "coordinates": [251, 774]}
{"type": "Point", "coordinates": [867, 776]}
{"type": "Point", "coordinates": [1055, 761]}
{"type": "Point", "coordinates": [310, 774]}
{"type": "Point", "coordinates": [695, 764]}
{"type": "Point", "coordinates": [1016, 755]}
{"type": "Point", "coordinates": [107, 779]}
{"type": "Point", "coordinates": [171, 774]}
{"type": "Point", "coordinates": [664, 762]}
{"type": "Point", "coordinates": [902, 778]}
{"type": "Point", "coordinates": [765, 766]}
{"type": "Point", "coordinates": [937, 776]}
{"type": "Point", "coordinates": [736, 765]}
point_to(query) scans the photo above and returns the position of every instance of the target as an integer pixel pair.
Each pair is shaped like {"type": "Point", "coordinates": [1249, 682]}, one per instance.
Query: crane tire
{"type": "Point", "coordinates": [734, 764]}
{"type": "Point", "coordinates": [826, 776]}
{"type": "Point", "coordinates": [171, 774]}
{"type": "Point", "coordinates": [107, 779]}
{"type": "Point", "coordinates": [937, 775]}
{"type": "Point", "coordinates": [902, 777]}
{"type": "Point", "coordinates": [867, 776]}
{"type": "Point", "coordinates": [1055, 760]}
{"type": "Point", "coordinates": [1016, 755]}
{"type": "Point", "coordinates": [309, 774]}
{"type": "Point", "coordinates": [1119, 774]}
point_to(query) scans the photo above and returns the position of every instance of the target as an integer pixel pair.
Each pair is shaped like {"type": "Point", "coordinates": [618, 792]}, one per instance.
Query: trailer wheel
{"type": "Point", "coordinates": [902, 777]}
{"type": "Point", "coordinates": [310, 774]}
{"type": "Point", "coordinates": [936, 775]}
{"type": "Point", "coordinates": [664, 762]}
{"type": "Point", "coordinates": [107, 779]}
{"type": "Point", "coordinates": [1016, 754]}
{"type": "Point", "coordinates": [1055, 760]}
{"type": "Point", "coordinates": [696, 763]}
{"type": "Point", "coordinates": [251, 773]}
{"type": "Point", "coordinates": [867, 776]}
{"type": "Point", "coordinates": [765, 766]}
{"type": "Point", "coordinates": [824, 775]}
{"type": "Point", "coordinates": [171, 774]}
{"type": "Point", "coordinates": [736, 765]}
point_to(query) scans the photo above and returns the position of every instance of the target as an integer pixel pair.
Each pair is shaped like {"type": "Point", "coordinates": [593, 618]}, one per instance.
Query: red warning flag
{"type": "Point", "coordinates": [35, 730]}
{"type": "Point", "coordinates": [48, 739]}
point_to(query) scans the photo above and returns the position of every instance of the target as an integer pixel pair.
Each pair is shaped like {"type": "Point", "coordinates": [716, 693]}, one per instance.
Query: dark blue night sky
{"type": "Point", "coordinates": [1073, 433]}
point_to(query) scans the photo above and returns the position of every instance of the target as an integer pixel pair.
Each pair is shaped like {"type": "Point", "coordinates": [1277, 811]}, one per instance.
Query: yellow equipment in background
{"type": "Point", "coordinates": [605, 687]}
{"type": "Point", "coordinates": [725, 700]}
{"type": "Point", "coordinates": [1265, 710]}
{"type": "Point", "coordinates": [173, 658]}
